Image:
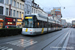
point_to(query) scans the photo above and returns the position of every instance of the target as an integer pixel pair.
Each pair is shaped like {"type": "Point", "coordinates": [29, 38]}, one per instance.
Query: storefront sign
{"type": "Point", "coordinates": [10, 21]}
{"type": "Point", "coordinates": [19, 20]}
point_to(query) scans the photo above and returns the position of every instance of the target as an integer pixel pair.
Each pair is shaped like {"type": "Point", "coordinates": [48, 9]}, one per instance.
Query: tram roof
{"type": "Point", "coordinates": [43, 18]}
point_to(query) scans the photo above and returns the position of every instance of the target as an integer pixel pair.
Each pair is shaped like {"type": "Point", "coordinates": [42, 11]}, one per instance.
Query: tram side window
{"type": "Point", "coordinates": [52, 25]}
{"type": "Point", "coordinates": [49, 25]}
{"type": "Point", "coordinates": [35, 22]}
{"type": "Point", "coordinates": [56, 25]}
{"type": "Point", "coordinates": [38, 24]}
{"type": "Point", "coordinates": [45, 24]}
{"type": "Point", "coordinates": [42, 24]}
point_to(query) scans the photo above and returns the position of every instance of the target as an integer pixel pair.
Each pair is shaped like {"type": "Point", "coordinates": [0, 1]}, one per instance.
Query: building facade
{"type": "Point", "coordinates": [63, 23]}
{"type": "Point", "coordinates": [12, 8]}
{"type": "Point", "coordinates": [56, 13]}
{"type": "Point", "coordinates": [15, 8]}
{"type": "Point", "coordinates": [37, 9]}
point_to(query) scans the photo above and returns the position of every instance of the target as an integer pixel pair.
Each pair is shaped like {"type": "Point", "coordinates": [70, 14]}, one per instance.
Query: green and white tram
{"type": "Point", "coordinates": [37, 24]}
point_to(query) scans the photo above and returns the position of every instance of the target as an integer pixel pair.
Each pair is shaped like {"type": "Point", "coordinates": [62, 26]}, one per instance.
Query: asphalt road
{"type": "Point", "coordinates": [48, 41]}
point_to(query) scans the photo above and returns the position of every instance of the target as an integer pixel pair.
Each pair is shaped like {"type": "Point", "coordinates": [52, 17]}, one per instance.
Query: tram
{"type": "Point", "coordinates": [38, 24]}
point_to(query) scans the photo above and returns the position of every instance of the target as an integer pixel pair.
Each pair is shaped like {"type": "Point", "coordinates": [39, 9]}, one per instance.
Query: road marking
{"type": "Point", "coordinates": [22, 42]}
{"type": "Point", "coordinates": [5, 48]}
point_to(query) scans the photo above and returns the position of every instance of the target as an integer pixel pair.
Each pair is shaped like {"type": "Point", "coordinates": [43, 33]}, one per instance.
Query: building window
{"type": "Point", "coordinates": [14, 13]}
{"type": "Point", "coordinates": [28, 12]}
{"type": "Point", "coordinates": [7, 1]}
{"type": "Point", "coordinates": [36, 11]}
{"type": "Point", "coordinates": [27, 6]}
{"type": "Point", "coordinates": [20, 5]}
{"type": "Point", "coordinates": [11, 12]}
{"type": "Point", "coordinates": [14, 3]}
{"type": "Point", "coordinates": [11, 2]}
{"type": "Point", "coordinates": [6, 11]}
{"type": "Point", "coordinates": [25, 12]}
{"type": "Point", "coordinates": [1, 1]}
{"type": "Point", "coordinates": [32, 10]}
{"type": "Point", "coordinates": [17, 13]}
{"type": "Point", "coordinates": [32, 4]}
{"type": "Point", "coordinates": [1, 10]}
{"type": "Point", "coordinates": [20, 14]}
{"type": "Point", "coordinates": [17, 4]}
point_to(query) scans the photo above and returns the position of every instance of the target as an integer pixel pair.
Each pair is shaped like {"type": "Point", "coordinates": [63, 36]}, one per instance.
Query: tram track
{"type": "Point", "coordinates": [47, 42]}
{"type": "Point", "coordinates": [54, 40]}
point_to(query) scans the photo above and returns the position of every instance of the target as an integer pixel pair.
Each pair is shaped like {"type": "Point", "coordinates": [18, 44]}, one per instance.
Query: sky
{"type": "Point", "coordinates": [68, 13]}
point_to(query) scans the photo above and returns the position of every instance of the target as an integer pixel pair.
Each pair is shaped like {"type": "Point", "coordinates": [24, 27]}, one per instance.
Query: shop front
{"type": "Point", "coordinates": [10, 21]}
{"type": "Point", "coordinates": [1, 23]}
{"type": "Point", "coordinates": [19, 23]}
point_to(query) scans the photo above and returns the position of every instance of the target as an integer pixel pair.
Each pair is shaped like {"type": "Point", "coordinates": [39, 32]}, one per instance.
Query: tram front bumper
{"type": "Point", "coordinates": [28, 33]}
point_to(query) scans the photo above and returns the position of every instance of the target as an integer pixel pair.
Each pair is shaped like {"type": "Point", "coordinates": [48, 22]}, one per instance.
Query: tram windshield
{"type": "Point", "coordinates": [28, 22]}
